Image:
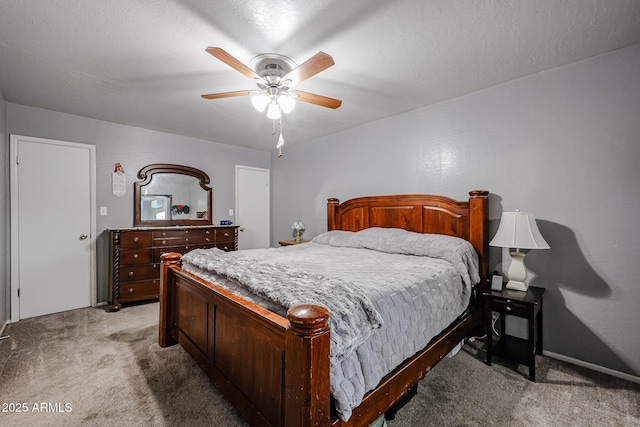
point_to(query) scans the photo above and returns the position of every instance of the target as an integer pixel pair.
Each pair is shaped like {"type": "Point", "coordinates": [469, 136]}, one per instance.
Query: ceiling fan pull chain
{"type": "Point", "coordinates": [280, 143]}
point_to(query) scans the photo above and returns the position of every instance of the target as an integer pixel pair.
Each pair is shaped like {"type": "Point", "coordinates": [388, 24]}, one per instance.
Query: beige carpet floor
{"type": "Point", "coordinates": [88, 367]}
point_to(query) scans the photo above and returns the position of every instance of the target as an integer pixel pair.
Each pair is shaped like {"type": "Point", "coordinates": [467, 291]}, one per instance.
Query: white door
{"type": "Point", "coordinates": [252, 207]}
{"type": "Point", "coordinates": [52, 226]}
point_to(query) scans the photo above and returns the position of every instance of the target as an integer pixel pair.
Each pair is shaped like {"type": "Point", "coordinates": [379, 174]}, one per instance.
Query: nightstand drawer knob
{"type": "Point", "coordinates": [508, 308]}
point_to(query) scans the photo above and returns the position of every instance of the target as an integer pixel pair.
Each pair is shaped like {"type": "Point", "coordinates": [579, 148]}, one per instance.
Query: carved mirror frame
{"type": "Point", "coordinates": [146, 175]}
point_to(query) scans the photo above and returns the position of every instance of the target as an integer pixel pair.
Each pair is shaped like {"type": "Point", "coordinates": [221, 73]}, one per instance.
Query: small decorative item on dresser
{"type": "Point", "coordinates": [298, 230]}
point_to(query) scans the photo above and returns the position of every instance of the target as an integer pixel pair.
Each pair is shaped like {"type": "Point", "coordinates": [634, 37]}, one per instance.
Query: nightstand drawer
{"type": "Point", "coordinates": [509, 307]}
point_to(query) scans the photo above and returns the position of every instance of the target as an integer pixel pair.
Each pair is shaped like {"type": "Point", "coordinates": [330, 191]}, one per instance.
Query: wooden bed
{"type": "Point", "coordinates": [275, 370]}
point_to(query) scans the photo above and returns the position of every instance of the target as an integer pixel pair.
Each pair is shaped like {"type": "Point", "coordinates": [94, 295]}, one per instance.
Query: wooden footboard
{"type": "Point", "coordinates": [275, 370]}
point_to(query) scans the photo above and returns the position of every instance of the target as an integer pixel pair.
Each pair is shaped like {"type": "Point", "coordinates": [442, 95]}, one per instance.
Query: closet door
{"type": "Point", "coordinates": [52, 226]}
{"type": "Point", "coordinates": [252, 207]}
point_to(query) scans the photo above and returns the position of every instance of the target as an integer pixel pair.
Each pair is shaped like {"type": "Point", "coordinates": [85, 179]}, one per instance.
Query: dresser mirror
{"type": "Point", "coordinates": [171, 195]}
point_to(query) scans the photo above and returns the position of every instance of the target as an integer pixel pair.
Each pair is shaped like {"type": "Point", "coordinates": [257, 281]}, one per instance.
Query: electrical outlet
{"type": "Point", "coordinates": [230, 212]}
{"type": "Point", "coordinates": [103, 210]}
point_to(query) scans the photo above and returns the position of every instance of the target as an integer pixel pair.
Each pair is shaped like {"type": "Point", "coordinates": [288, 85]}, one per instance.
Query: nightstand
{"type": "Point", "coordinates": [526, 305]}
{"type": "Point", "coordinates": [291, 242]}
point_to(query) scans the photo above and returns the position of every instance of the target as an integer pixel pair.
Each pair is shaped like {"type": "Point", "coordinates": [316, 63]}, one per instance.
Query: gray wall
{"type": "Point", "coordinates": [563, 144]}
{"type": "Point", "coordinates": [134, 148]}
{"type": "Point", "coordinates": [4, 215]}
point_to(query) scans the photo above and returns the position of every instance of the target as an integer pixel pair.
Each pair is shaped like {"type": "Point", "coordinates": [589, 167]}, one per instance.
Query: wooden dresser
{"type": "Point", "coordinates": [135, 256]}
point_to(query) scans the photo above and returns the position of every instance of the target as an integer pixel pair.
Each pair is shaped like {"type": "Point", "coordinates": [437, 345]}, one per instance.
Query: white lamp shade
{"type": "Point", "coordinates": [286, 103]}
{"type": "Point", "coordinates": [518, 230]}
{"type": "Point", "coordinates": [261, 101]}
{"type": "Point", "coordinates": [273, 111]}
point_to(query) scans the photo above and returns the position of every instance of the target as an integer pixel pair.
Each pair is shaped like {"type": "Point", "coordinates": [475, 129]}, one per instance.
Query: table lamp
{"type": "Point", "coordinates": [298, 230]}
{"type": "Point", "coordinates": [518, 230]}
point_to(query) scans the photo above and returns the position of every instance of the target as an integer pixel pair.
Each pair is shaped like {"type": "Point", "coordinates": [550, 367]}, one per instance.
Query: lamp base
{"type": "Point", "coordinates": [517, 286]}
{"type": "Point", "coordinates": [517, 272]}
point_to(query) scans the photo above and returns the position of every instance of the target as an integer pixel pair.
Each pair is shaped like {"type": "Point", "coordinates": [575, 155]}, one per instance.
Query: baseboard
{"type": "Point", "coordinates": [592, 366]}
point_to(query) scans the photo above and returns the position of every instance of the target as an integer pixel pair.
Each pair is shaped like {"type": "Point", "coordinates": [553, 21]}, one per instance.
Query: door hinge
{"type": "Point", "coordinates": [18, 292]}
{"type": "Point", "coordinates": [17, 160]}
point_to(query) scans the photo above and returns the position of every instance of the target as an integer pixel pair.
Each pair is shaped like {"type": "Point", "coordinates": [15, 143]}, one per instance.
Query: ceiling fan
{"type": "Point", "coordinates": [275, 75]}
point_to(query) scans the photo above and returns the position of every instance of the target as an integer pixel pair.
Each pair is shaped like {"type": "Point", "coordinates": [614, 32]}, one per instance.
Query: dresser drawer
{"type": "Point", "coordinates": [225, 235]}
{"type": "Point", "coordinates": [183, 233]}
{"type": "Point", "coordinates": [135, 256]}
{"type": "Point", "coordinates": [226, 246]}
{"type": "Point", "coordinates": [135, 239]}
{"type": "Point", "coordinates": [509, 307]}
{"type": "Point", "coordinates": [185, 240]}
{"type": "Point", "coordinates": [136, 273]}
{"type": "Point", "coordinates": [182, 249]}
{"type": "Point", "coordinates": [139, 291]}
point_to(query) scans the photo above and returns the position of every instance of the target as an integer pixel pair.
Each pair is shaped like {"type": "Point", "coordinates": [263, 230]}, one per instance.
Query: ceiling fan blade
{"type": "Point", "coordinates": [228, 94]}
{"type": "Point", "coordinates": [223, 56]}
{"type": "Point", "coordinates": [312, 98]}
{"type": "Point", "coordinates": [317, 63]}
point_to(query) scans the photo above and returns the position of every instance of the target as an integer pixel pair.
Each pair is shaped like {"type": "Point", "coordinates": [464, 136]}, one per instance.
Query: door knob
{"type": "Point", "coordinates": [83, 236]}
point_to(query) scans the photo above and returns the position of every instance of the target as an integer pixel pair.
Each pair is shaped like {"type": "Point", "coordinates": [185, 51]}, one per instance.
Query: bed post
{"type": "Point", "coordinates": [166, 296]}
{"type": "Point", "coordinates": [332, 204]}
{"type": "Point", "coordinates": [479, 229]}
{"type": "Point", "coordinates": [307, 397]}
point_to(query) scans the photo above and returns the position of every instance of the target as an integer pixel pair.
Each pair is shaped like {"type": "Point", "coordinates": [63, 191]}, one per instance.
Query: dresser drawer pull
{"type": "Point", "coordinates": [130, 290]}
{"type": "Point", "coordinates": [131, 274]}
{"type": "Point", "coordinates": [508, 308]}
{"type": "Point", "coordinates": [164, 242]}
{"type": "Point", "coordinates": [207, 232]}
{"type": "Point", "coordinates": [135, 256]}
{"type": "Point", "coordinates": [225, 248]}
{"type": "Point", "coordinates": [208, 239]}
{"type": "Point", "coordinates": [164, 233]}
{"type": "Point", "coordinates": [226, 234]}
{"type": "Point", "coordinates": [186, 240]}
{"type": "Point", "coordinates": [135, 239]}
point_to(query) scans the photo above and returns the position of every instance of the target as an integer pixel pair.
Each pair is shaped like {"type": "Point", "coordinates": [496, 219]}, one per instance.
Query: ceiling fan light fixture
{"type": "Point", "coordinates": [287, 104]}
{"type": "Point", "coordinates": [273, 111]}
{"type": "Point", "coordinates": [261, 101]}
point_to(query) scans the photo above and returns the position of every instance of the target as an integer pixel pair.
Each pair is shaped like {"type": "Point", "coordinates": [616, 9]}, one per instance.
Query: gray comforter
{"type": "Point", "coordinates": [418, 284]}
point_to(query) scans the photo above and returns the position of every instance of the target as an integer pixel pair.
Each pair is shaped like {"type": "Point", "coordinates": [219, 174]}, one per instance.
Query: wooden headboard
{"type": "Point", "coordinates": [421, 213]}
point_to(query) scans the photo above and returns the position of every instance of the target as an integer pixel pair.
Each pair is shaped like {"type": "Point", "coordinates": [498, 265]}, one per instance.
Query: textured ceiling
{"type": "Point", "coordinates": [143, 63]}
